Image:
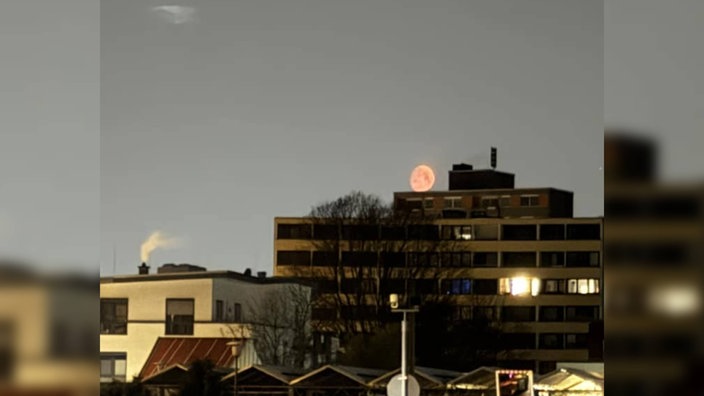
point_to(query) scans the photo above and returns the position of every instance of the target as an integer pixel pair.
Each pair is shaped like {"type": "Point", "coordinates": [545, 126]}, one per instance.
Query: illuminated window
{"type": "Point", "coordinates": [583, 286]}
{"type": "Point", "coordinates": [519, 286]}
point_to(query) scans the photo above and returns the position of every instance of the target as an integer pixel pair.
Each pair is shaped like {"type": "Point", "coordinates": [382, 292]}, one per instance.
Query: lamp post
{"type": "Point", "coordinates": [404, 343]}
{"type": "Point", "coordinates": [236, 348]}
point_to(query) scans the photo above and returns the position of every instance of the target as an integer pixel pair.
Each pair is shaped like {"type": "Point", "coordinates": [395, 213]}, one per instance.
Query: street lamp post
{"type": "Point", "coordinates": [236, 348]}
{"type": "Point", "coordinates": [404, 341]}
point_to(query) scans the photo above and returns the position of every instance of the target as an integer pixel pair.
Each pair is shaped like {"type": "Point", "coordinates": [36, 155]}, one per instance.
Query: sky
{"type": "Point", "coordinates": [218, 116]}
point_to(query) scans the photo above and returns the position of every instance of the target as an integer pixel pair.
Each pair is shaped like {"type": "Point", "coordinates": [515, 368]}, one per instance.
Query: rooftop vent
{"type": "Point", "coordinates": [261, 274]}
{"type": "Point", "coordinates": [248, 272]}
{"type": "Point", "coordinates": [179, 268]}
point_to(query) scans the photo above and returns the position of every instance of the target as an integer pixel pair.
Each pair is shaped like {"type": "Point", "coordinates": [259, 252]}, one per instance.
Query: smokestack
{"type": "Point", "coordinates": [261, 274]}
{"type": "Point", "coordinates": [143, 269]}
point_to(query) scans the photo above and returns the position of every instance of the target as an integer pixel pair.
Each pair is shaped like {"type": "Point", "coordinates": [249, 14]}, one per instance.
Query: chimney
{"type": "Point", "coordinates": [143, 269]}
{"type": "Point", "coordinates": [261, 274]}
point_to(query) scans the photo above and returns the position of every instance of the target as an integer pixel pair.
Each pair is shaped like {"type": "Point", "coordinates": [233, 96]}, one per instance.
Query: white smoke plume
{"type": "Point", "coordinates": [157, 240]}
{"type": "Point", "coordinates": [175, 14]}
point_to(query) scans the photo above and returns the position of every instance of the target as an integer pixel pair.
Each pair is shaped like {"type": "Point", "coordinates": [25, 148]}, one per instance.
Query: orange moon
{"type": "Point", "coordinates": [422, 178]}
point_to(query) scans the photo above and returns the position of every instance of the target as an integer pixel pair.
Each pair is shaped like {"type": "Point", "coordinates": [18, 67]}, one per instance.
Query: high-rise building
{"type": "Point", "coordinates": [514, 255]}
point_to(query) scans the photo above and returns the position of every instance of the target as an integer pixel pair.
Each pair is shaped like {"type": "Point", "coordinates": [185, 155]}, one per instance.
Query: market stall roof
{"type": "Point", "coordinates": [481, 378]}
{"type": "Point", "coordinates": [571, 379]}
{"type": "Point", "coordinates": [262, 374]}
{"type": "Point", "coordinates": [336, 376]}
{"type": "Point", "coordinates": [427, 377]}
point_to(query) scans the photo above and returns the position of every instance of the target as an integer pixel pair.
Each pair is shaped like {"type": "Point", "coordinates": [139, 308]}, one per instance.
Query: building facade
{"type": "Point", "coordinates": [516, 256]}
{"type": "Point", "coordinates": [178, 301]}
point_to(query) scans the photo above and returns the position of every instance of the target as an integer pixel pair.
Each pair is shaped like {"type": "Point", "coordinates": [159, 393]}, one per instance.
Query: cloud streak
{"type": "Point", "coordinates": [175, 14]}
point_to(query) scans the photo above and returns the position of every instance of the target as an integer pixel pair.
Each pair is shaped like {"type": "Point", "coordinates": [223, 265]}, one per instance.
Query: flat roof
{"type": "Point", "coordinates": [199, 275]}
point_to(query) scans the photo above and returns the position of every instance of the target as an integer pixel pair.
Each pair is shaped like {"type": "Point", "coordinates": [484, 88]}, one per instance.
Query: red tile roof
{"type": "Point", "coordinates": [170, 351]}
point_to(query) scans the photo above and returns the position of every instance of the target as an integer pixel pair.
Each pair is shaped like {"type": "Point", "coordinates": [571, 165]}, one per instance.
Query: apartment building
{"type": "Point", "coordinates": [515, 255]}
{"type": "Point", "coordinates": [137, 312]}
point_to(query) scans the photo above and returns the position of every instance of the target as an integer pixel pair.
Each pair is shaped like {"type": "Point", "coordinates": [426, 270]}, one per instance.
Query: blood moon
{"type": "Point", "coordinates": [422, 178]}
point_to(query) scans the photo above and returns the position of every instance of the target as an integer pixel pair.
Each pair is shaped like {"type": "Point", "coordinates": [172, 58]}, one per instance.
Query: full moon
{"type": "Point", "coordinates": [422, 178]}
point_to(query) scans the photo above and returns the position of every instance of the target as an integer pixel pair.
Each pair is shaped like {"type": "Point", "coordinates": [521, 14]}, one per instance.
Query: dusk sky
{"type": "Point", "coordinates": [217, 116]}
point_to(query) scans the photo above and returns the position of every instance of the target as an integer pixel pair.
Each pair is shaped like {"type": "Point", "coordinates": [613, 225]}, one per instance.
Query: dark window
{"type": "Point", "coordinates": [485, 286]}
{"type": "Point", "coordinates": [179, 316]}
{"type": "Point", "coordinates": [554, 286]}
{"type": "Point", "coordinates": [456, 259]}
{"type": "Point", "coordinates": [113, 367]}
{"type": "Point", "coordinates": [585, 313]}
{"type": "Point", "coordinates": [425, 286]}
{"type": "Point", "coordinates": [518, 340]}
{"type": "Point", "coordinates": [393, 233]}
{"type": "Point", "coordinates": [552, 314]}
{"type": "Point", "coordinates": [359, 259]}
{"type": "Point", "coordinates": [323, 313]}
{"type": "Point", "coordinates": [113, 316]}
{"type": "Point", "coordinates": [576, 341]}
{"type": "Point", "coordinates": [238, 313]}
{"type": "Point", "coordinates": [486, 313]}
{"type": "Point", "coordinates": [552, 232]}
{"type": "Point", "coordinates": [323, 259]}
{"type": "Point", "coordinates": [423, 232]}
{"type": "Point", "coordinates": [529, 200]}
{"type": "Point", "coordinates": [518, 314]}
{"type": "Point", "coordinates": [294, 231]}
{"type": "Point", "coordinates": [485, 259]}
{"type": "Point", "coordinates": [428, 203]}
{"type": "Point", "coordinates": [219, 311]}
{"type": "Point", "coordinates": [326, 286]}
{"type": "Point", "coordinates": [393, 259]}
{"type": "Point", "coordinates": [456, 286]}
{"type": "Point", "coordinates": [583, 231]}
{"type": "Point", "coordinates": [485, 232]}
{"type": "Point", "coordinates": [522, 232]}
{"type": "Point", "coordinates": [551, 341]}
{"type": "Point", "coordinates": [325, 232]}
{"type": "Point", "coordinates": [413, 204]}
{"type": "Point", "coordinates": [360, 232]}
{"type": "Point", "coordinates": [552, 259]}
{"type": "Point", "coordinates": [489, 202]}
{"type": "Point", "coordinates": [293, 257]}
{"type": "Point", "coordinates": [505, 201]}
{"type": "Point", "coordinates": [582, 259]}
{"type": "Point", "coordinates": [518, 259]}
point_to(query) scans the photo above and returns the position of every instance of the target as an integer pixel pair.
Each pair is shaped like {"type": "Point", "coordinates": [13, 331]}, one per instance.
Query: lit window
{"type": "Point", "coordinates": [519, 286]}
{"type": "Point", "coordinates": [583, 286]}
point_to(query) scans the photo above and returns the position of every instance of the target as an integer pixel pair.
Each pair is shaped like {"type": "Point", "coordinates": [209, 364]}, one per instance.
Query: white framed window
{"type": "Point", "coordinates": [489, 202]}
{"type": "Point", "coordinates": [453, 202]}
{"type": "Point", "coordinates": [113, 367]}
{"type": "Point", "coordinates": [529, 200]}
{"type": "Point", "coordinates": [583, 286]}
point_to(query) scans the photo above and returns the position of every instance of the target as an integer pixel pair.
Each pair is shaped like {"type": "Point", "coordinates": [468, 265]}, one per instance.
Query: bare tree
{"type": "Point", "coordinates": [363, 251]}
{"type": "Point", "coordinates": [280, 325]}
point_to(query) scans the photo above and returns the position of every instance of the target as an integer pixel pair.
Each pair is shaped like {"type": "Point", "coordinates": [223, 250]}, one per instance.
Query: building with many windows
{"type": "Point", "coordinates": [140, 312]}
{"type": "Point", "coordinates": [514, 255]}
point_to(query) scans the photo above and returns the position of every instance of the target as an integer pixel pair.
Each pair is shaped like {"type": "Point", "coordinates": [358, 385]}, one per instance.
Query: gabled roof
{"type": "Point", "coordinates": [481, 378]}
{"type": "Point", "coordinates": [358, 375]}
{"type": "Point", "coordinates": [432, 375]}
{"type": "Point", "coordinates": [171, 351]}
{"type": "Point", "coordinates": [168, 375]}
{"type": "Point", "coordinates": [569, 378]}
{"type": "Point", "coordinates": [283, 374]}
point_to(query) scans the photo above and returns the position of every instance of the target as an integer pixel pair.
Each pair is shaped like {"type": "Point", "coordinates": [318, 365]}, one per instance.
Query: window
{"type": "Point", "coordinates": [485, 286]}
{"type": "Point", "coordinates": [428, 203]}
{"type": "Point", "coordinates": [359, 259]}
{"type": "Point", "coordinates": [582, 259]}
{"type": "Point", "coordinates": [424, 232]}
{"type": "Point", "coordinates": [552, 259]}
{"type": "Point", "coordinates": [294, 231]}
{"type": "Point", "coordinates": [518, 314]}
{"type": "Point", "coordinates": [583, 231]}
{"type": "Point", "coordinates": [219, 311]}
{"type": "Point", "coordinates": [554, 286]}
{"type": "Point", "coordinates": [552, 232]}
{"type": "Point", "coordinates": [519, 286]}
{"type": "Point", "coordinates": [393, 233]}
{"type": "Point", "coordinates": [518, 259]}
{"type": "Point", "coordinates": [518, 340]}
{"type": "Point", "coordinates": [585, 313]}
{"type": "Point", "coordinates": [238, 313]}
{"type": "Point", "coordinates": [414, 204]}
{"type": "Point", "coordinates": [366, 232]}
{"type": "Point", "coordinates": [485, 259]}
{"type": "Point", "coordinates": [456, 286]}
{"type": "Point", "coordinates": [486, 232]}
{"type": "Point", "coordinates": [293, 257]}
{"type": "Point", "coordinates": [461, 233]}
{"type": "Point", "coordinates": [551, 341]}
{"type": "Point", "coordinates": [322, 259]}
{"type": "Point", "coordinates": [505, 201]}
{"type": "Point", "coordinates": [325, 232]}
{"type": "Point", "coordinates": [457, 259]}
{"type": "Point", "coordinates": [486, 313]}
{"type": "Point", "coordinates": [179, 316]}
{"type": "Point", "coordinates": [113, 316]}
{"type": "Point", "coordinates": [113, 367]}
{"type": "Point", "coordinates": [393, 259]}
{"type": "Point", "coordinates": [529, 200]}
{"type": "Point", "coordinates": [519, 232]}
{"type": "Point", "coordinates": [583, 286]}
{"type": "Point", "coordinates": [453, 202]}
{"type": "Point", "coordinates": [489, 202]}
{"type": "Point", "coordinates": [576, 341]}
{"type": "Point", "coordinates": [551, 314]}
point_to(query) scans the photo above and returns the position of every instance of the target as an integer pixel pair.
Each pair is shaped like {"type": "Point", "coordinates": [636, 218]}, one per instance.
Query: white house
{"type": "Point", "coordinates": [179, 301]}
